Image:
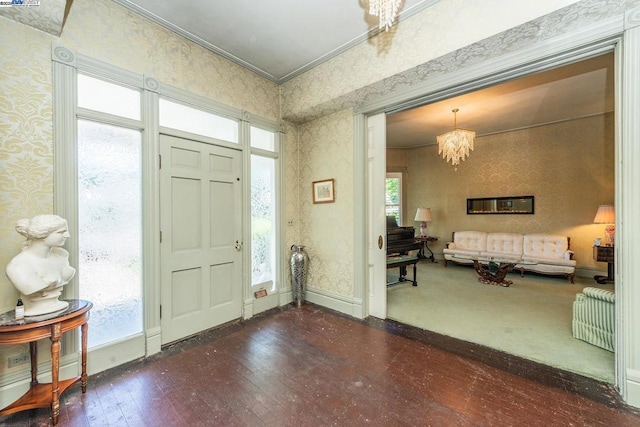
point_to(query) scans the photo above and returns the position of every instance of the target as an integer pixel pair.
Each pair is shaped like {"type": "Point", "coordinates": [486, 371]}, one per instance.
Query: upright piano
{"type": "Point", "coordinates": [400, 241]}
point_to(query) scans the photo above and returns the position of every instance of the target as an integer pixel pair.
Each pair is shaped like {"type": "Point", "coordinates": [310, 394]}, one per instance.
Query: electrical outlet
{"type": "Point", "coordinates": [18, 359]}
{"type": "Point", "coordinates": [290, 222]}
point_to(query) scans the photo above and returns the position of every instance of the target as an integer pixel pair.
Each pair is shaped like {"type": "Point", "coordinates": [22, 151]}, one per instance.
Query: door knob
{"type": "Point", "coordinates": [380, 242]}
{"type": "Point", "coordinates": [238, 245]}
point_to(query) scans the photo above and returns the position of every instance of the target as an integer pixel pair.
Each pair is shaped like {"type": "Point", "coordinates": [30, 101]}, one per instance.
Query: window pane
{"type": "Point", "coordinates": [264, 139]}
{"type": "Point", "coordinates": [181, 117]}
{"type": "Point", "coordinates": [96, 94]}
{"type": "Point", "coordinates": [393, 191]}
{"type": "Point", "coordinates": [110, 224]}
{"type": "Point", "coordinates": [263, 224]}
{"type": "Point", "coordinates": [392, 197]}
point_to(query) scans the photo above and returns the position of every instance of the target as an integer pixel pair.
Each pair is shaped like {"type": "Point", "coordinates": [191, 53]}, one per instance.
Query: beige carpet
{"type": "Point", "coordinates": [531, 318]}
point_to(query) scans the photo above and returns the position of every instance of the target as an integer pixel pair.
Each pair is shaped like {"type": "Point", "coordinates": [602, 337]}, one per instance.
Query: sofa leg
{"type": "Point", "coordinates": [572, 277]}
{"type": "Point", "coordinates": [521, 271]}
{"type": "Point", "coordinates": [445, 262]}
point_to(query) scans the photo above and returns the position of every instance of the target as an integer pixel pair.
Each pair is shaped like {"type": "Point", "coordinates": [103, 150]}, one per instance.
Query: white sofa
{"type": "Point", "coordinates": [540, 253]}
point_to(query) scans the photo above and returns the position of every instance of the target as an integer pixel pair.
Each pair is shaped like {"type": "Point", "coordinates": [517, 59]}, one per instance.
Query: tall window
{"type": "Point", "coordinates": [393, 196]}
{"type": "Point", "coordinates": [109, 209]}
{"type": "Point", "coordinates": [263, 208]}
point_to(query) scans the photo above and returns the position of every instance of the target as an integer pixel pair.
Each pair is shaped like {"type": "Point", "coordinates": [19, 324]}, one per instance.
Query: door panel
{"type": "Point", "coordinates": [201, 213]}
{"type": "Point", "coordinates": [377, 233]}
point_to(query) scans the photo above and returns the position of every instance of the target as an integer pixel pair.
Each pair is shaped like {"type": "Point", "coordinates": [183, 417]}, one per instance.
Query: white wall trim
{"type": "Point", "coordinates": [627, 204]}
{"type": "Point", "coordinates": [111, 355]}
{"type": "Point", "coordinates": [333, 301]}
{"type": "Point", "coordinates": [153, 343]}
{"type": "Point", "coordinates": [360, 179]}
{"type": "Point", "coordinates": [285, 296]}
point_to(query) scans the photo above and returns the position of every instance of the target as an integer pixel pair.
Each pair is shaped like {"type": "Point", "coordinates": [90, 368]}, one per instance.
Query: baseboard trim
{"type": "Point", "coordinates": [633, 388]}
{"type": "Point", "coordinates": [153, 340]}
{"type": "Point", "coordinates": [589, 272]}
{"type": "Point", "coordinates": [109, 356]}
{"type": "Point", "coordinates": [339, 303]}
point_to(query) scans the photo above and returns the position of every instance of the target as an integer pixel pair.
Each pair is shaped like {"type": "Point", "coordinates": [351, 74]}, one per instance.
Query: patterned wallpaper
{"type": "Point", "coordinates": [568, 167]}
{"type": "Point", "coordinates": [327, 229]}
{"type": "Point", "coordinates": [291, 181]}
{"type": "Point", "coordinates": [427, 46]}
{"type": "Point", "coordinates": [26, 133]}
{"type": "Point", "coordinates": [48, 16]}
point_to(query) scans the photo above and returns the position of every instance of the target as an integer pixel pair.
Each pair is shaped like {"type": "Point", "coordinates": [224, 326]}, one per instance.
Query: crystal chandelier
{"type": "Point", "coordinates": [455, 145]}
{"type": "Point", "coordinates": [385, 10]}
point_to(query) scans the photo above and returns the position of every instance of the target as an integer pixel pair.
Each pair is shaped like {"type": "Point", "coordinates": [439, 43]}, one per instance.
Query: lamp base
{"type": "Point", "coordinates": [423, 229]}
{"type": "Point", "coordinates": [610, 235]}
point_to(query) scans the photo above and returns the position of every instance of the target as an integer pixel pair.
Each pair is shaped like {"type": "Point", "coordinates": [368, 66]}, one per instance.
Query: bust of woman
{"type": "Point", "coordinates": [42, 268]}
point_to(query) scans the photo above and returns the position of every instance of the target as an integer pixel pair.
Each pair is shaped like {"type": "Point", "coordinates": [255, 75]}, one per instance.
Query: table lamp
{"type": "Point", "coordinates": [606, 215]}
{"type": "Point", "coordinates": [423, 215]}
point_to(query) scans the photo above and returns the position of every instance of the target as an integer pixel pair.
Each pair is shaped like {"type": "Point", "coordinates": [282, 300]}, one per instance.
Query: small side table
{"type": "Point", "coordinates": [605, 254]}
{"type": "Point", "coordinates": [30, 330]}
{"type": "Point", "coordinates": [425, 245]}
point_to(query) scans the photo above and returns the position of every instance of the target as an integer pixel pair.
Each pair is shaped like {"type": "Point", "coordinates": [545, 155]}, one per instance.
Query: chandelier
{"type": "Point", "coordinates": [455, 145]}
{"type": "Point", "coordinates": [385, 10]}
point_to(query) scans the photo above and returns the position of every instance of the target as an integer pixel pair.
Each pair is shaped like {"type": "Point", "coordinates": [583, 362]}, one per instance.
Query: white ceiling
{"type": "Point", "coordinates": [280, 39]}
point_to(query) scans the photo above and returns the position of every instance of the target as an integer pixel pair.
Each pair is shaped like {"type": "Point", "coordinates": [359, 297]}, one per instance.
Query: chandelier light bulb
{"type": "Point", "coordinates": [385, 10]}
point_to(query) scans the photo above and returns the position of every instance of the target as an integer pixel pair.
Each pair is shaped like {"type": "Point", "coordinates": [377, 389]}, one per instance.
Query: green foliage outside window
{"type": "Point", "coordinates": [392, 198]}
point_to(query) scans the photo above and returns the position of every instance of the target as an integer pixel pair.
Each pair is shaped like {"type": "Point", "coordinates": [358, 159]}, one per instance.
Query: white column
{"type": "Point", "coordinates": [627, 208]}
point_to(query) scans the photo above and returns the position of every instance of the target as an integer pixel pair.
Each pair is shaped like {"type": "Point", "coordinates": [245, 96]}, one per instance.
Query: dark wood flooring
{"type": "Point", "coordinates": [309, 366]}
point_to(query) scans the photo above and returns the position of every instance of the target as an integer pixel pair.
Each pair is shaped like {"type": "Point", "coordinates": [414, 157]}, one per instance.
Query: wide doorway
{"type": "Point", "coordinates": [566, 161]}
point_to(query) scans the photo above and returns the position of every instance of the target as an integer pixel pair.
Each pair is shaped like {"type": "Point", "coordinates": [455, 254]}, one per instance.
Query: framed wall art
{"type": "Point", "coordinates": [323, 191]}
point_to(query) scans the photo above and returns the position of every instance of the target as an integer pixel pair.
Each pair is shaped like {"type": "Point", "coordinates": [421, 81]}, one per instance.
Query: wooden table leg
{"type": "Point", "coordinates": [415, 281]}
{"type": "Point", "coordinates": [33, 351]}
{"type": "Point", "coordinates": [55, 366]}
{"type": "Point", "coordinates": [85, 329]}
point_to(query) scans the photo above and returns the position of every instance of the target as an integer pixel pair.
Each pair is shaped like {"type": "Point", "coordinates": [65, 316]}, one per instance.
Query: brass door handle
{"type": "Point", "coordinates": [380, 242]}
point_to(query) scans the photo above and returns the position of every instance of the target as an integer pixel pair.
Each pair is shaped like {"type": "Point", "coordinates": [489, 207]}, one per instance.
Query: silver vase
{"type": "Point", "coordinates": [299, 266]}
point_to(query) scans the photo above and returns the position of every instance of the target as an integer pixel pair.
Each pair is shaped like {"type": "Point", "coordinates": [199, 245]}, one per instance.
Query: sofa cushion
{"type": "Point", "coordinates": [547, 268]}
{"type": "Point", "coordinates": [470, 241]}
{"type": "Point", "coordinates": [507, 244]}
{"type": "Point", "coordinates": [545, 246]}
{"type": "Point", "coordinates": [463, 252]}
{"type": "Point", "coordinates": [550, 261]}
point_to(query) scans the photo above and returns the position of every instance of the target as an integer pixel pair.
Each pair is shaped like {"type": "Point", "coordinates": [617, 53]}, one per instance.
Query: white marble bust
{"type": "Point", "coordinates": [41, 270]}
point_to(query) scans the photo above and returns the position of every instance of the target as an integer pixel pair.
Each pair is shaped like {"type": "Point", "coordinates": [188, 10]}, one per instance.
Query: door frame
{"type": "Point", "coordinates": [551, 53]}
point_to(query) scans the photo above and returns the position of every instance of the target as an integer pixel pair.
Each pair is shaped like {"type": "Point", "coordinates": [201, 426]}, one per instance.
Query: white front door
{"type": "Point", "coordinates": [377, 233]}
{"type": "Point", "coordinates": [201, 229]}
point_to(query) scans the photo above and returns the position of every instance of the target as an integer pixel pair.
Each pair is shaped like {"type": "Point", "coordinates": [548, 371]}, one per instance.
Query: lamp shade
{"type": "Point", "coordinates": [605, 215]}
{"type": "Point", "coordinates": [423, 215]}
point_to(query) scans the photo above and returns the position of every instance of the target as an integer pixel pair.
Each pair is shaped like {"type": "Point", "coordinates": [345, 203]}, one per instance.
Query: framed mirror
{"type": "Point", "coordinates": [522, 205]}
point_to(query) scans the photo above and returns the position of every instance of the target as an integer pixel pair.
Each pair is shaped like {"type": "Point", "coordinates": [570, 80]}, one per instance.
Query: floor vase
{"type": "Point", "coordinates": [299, 267]}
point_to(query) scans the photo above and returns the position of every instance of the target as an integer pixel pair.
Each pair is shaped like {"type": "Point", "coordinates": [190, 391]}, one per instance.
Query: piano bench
{"type": "Point", "coordinates": [402, 261]}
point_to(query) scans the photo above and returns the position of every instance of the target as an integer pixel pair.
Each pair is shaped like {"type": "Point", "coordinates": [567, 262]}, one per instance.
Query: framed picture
{"type": "Point", "coordinates": [323, 191]}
